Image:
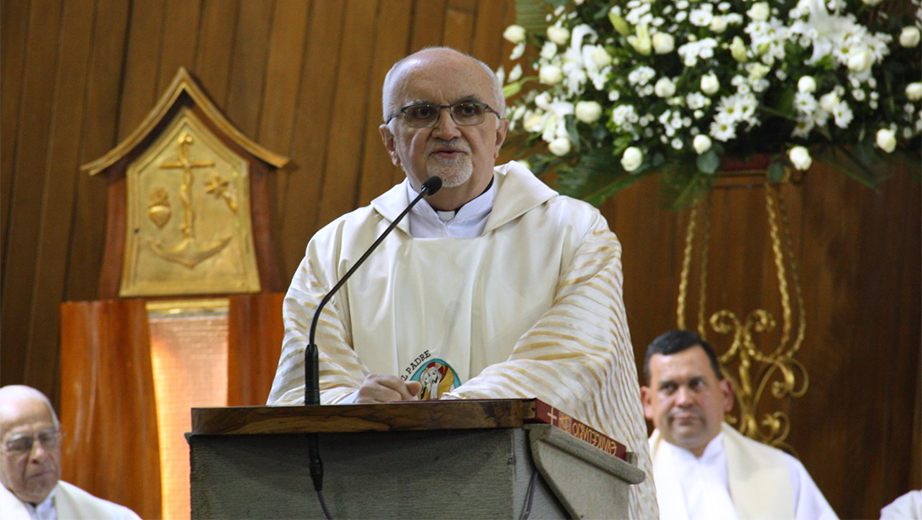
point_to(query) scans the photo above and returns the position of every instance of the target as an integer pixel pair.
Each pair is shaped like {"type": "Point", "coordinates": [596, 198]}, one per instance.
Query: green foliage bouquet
{"type": "Point", "coordinates": [607, 92]}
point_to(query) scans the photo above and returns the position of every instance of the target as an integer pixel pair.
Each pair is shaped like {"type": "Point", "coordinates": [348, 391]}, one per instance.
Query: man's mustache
{"type": "Point", "coordinates": [456, 144]}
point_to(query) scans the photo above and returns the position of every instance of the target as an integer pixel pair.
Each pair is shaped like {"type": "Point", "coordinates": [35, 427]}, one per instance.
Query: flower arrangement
{"type": "Point", "coordinates": [623, 89]}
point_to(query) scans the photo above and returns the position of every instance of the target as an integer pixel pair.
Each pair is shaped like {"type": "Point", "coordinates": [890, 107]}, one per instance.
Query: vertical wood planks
{"type": "Point", "coordinates": [142, 65]}
{"type": "Point", "coordinates": [33, 135]}
{"type": "Point", "coordinates": [392, 36]}
{"type": "Point", "coordinates": [215, 48]}
{"type": "Point", "coordinates": [248, 65]}
{"type": "Point", "coordinates": [459, 25]}
{"type": "Point", "coordinates": [59, 179]}
{"type": "Point", "coordinates": [180, 36]}
{"type": "Point", "coordinates": [286, 59]}
{"type": "Point", "coordinates": [349, 113]}
{"type": "Point", "coordinates": [14, 17]}
{"type": "Point", "coordinates": [313, 119]}
{"type": "Point", "coordinates": [99, 132]}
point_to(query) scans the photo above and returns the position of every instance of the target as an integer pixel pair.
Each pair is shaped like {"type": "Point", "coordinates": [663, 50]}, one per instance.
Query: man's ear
{"type": "Point", "coordinates": [500, 136]}
{"type": "Point", "coordinates": [389, 144]}
{"type": "Point", "coordinates": [726, 388]}
{"type": "Point", "coordinates": [646, 398]}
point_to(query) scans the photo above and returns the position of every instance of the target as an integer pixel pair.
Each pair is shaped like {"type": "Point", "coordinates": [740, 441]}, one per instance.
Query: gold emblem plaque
{"type": "Point", "coordinates": [188, 216]}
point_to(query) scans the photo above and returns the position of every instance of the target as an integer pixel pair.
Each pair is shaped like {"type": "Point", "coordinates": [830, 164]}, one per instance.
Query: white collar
{"type": "Point", "coordinates": [467, 222]}
{"type": "Point", "coordinates": [45, 510]}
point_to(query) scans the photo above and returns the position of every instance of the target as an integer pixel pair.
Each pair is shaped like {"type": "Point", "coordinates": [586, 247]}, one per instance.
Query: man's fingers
{"type": "Point", "coordinates": [381, 388]}
{"type": "Point", "coordinates": [414, 387]}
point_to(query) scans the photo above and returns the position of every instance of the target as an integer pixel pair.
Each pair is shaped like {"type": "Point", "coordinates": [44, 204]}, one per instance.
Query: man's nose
{"type": "Point", "coordinates": [684, 396]}
{"type": "Point", "coordinates": [445, 127]}
{"type": "Point", "coordinates": [38, 451]}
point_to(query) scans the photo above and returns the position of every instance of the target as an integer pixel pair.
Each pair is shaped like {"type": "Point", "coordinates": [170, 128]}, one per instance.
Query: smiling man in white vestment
{"type": "Point", "coordinates": [30, 465]}
{"type": "Point", "coordinates": [703, 468]}
{"type": "Point", "coordinates": [494, 287]}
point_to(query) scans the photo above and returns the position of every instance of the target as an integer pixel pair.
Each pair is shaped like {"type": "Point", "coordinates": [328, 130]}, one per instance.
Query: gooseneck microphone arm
{"type": "Point", "coordinates": [311, 358]}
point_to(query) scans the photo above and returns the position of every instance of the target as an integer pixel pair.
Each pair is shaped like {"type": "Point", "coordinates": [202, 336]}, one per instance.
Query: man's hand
{"type": "Point", "coordinates": [380, 388]}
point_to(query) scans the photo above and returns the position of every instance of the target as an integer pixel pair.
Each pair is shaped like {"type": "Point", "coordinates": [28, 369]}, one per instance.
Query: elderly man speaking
{"type": "Point", "coordinates": [30, 464]}
{"type": "Point", "coordinates": [494, 287]}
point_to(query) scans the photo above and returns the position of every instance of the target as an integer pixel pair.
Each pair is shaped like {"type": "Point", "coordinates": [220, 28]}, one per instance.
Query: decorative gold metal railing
{"type": "Point", "coordinates": [751, 364]}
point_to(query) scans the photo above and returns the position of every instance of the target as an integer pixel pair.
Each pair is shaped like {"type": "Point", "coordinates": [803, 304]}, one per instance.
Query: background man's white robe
{"type": "Point", "coordinates": [70, 502]}
{"type": "Point", "coordinates": [531, 308]}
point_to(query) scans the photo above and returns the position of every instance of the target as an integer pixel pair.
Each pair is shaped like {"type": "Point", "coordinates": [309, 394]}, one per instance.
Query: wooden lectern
{"type": "Point", "coordinates": [422, 459]}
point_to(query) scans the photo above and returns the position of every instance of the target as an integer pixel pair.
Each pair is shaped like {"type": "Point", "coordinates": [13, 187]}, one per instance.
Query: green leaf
{"type": "Point", "coordinates": [708, 162]}
{"type": "Point", "coordinates": [776, 172]}
{"type": "Point", "coordinates": [572, 130]}
{"type": "Point", "coordinates": [683, 187]}
{"type": "Point", "coordinates": [530, 14]}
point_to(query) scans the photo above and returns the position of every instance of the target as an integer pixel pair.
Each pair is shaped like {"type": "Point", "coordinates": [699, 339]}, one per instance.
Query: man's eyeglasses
{"type": "Point", "coordinates": [23, 443]}
{"type": "Point", "coordinates": [425, 115]}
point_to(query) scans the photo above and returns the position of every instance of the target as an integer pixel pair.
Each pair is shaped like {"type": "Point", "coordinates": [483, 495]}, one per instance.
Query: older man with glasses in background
{"type": "Point", "coordinates": [494, 287]}
{"type": "Point", "coordinates": [30, 464]}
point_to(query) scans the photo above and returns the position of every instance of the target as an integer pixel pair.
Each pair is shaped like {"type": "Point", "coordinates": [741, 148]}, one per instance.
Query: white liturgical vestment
{"type": "Point", "coordinates": [66, 502]}
{"type": "Point", "coordinates": [531, 307]}
{"type": "Point", "coordinates": [735, 478]}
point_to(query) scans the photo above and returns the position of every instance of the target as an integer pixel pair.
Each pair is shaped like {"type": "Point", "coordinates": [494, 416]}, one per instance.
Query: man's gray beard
{"type": "Point", "coordinates": [452, 172]}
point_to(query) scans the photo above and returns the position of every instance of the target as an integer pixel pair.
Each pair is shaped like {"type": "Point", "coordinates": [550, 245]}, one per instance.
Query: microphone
{"type": "Point", "coordinates": [311, 358]}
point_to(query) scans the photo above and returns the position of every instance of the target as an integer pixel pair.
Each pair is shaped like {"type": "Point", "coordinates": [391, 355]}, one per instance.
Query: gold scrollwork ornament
{"type": "Point", "coordinates": [756, 369]}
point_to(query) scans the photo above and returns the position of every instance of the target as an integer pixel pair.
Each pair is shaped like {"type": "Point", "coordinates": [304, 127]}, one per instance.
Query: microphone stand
{"type": "Point", "coordinates": [311, 357]}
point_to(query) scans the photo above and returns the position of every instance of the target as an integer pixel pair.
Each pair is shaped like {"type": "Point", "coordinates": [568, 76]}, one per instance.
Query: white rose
{"type": "Point", "coordinates": [759, 11]}
{"type": "Point", "coordinates": [514, 33]}
{"type": "Point", "coordinates": [806, 84]}
{"type": "Point", "coordinates": [559, 146]}
{"type": "Point", "coordinates": [641, 41]}
{"type": "Point", "coordinates": [829, 101]}
{"type": "Point", "coordinates": [702, 143]}
{"type": "Point", "coordinates": [632, 158]}
{"type": "Point", "coordinates": [664, 88]}
{"type": "Point", "coordinates": [709, 83]}
{"type": "Point", "coordinates": [588, 111]}
{"type": "Point", "coordinates": [886, 140]}
{"type": "Point", "coordinates": [860, 61]}
{"type": "Point", "coordinates": [663, 43]}
{"type": "Point", "coordinates": [719, 24]}
{"type": "Point", "coordinates": [758, 71]}
{"type": "Point", "coordinates": [910, 36]}
{"type": "Point", "coordinates": [800, 157]}
{"type": "Point", "coordinates": [550, 74]}
{"type": "Point", "coordinates": [534, 123]}
{"type": "Point", "coordinates": [516, 72]}
{"type": "Point", "coordinates": [600, 56]}
{"type": "Point", "coordinates": [558, 34]}
{"type": "Point", "coordinates": [914, 91]}
{"type": "Point", "coordinates": [738, 49]}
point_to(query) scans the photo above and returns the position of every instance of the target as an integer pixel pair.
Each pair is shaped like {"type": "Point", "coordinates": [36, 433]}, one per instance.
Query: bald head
{"type": "Point", "coordinates": [15, 398]}
{"type": "Point", "coordinates": [29, 450]}
{"type": "Point", "coordinates": [426, 57]}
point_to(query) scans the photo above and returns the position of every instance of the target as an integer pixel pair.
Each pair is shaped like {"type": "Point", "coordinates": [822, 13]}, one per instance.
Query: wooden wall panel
{"type": "Point", "coordinates": [12, 61]}
{"type": "Point", "coordinates": [248, 68]}
{"type": "Point", "coordinates": [303, 78]}
{"type": "Point", "coordinates": [391, 40]}
{"type": "Point", "coordinates": [180, 35]}
{"type": "Point", "coordinates": [340, 173]}
{"type": "Point", "coordinates": [58, 182]}
{"type": "Point", "coordinates": [99, 130]}
{"type": "Point", "coordinates": [26, 197]}
{"type": "Point", "coordinates": [215, 48]}
{"type": "Point", "coordinates": [142, 65]}
{"type": "Point", "coordinates": [299, 209]}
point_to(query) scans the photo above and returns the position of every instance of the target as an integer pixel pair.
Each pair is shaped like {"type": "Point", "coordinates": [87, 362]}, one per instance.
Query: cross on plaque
{"type": "Point", "coordinates": [188, 251]}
